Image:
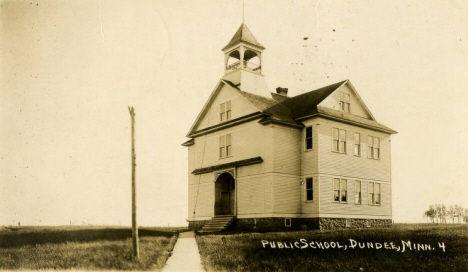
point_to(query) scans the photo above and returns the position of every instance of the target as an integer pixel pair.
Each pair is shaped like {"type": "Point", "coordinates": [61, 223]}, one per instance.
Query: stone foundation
{"type": "Point", "coordinates": [278, 224]}
{"type": "Point", "coordinates": [196, 225]}
{"type": "Point", "coordinates": [343, 223]}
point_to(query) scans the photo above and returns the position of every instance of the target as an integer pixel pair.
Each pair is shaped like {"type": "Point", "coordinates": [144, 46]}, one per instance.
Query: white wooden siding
{"type": "Point", "coordinates": [309, 158]}
{"type": "Point", "coordinates": [254, 194]}
{"type": "Point", "coordinates": [239, 107]}
{"type": "Point", "coordinates": [333, 163]}
{"type": "Point", "coordinates": [248, 141]}
{"type": "Point", "coordinates": [287, 193]}
{"type": "Point", "coordinates": [287, 150]}
{"type": "Point", "coordinates": [310, 207]}
{"type": "Point", "coordinates": [201, 196]}
{"type": "Point", "coordinates": [356, 107]}
{"type": "Point", "coordinates": [364, 210]}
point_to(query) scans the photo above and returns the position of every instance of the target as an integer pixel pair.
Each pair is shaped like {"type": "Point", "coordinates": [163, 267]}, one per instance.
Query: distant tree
{"type": "Point", "coordinates": [441, 212]}
{"type": "Point", "coordinates": [459, 212]}
{"type": "Point", "coordinates": [451, 213]}
{"type": "Point", "coordinates": [465, 215]}
{"type": "Point", "coordinates": [431, 213]}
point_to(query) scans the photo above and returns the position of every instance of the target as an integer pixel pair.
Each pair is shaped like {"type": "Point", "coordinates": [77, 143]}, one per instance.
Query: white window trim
{"type": "Point", "coordinates": [339, 192]}
{"type": "Point", "coordinates": [226, 113]}
{"type": "Point", "coordinates": [373, 193]}
{"type": "Point", "coordinates": [225, 146]}
{"type": "Point", "coordinates": [311, 138]}
{"type": "Point", "coordinates": [339, 142]}
{"type": "Point", "coordinates": [359, 145]}
{"type": "Point", "coordinates": [307, 200]}
{"type": "Point", "coordinates": [343, 101]}
{"type": "Point", "coordinates": [373, 148]}
{"type": "Point", "coordinates": [360, 202]}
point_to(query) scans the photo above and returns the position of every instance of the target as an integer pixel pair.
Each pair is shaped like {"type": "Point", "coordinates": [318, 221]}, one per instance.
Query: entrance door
{"type": "Point", "coordinates": [225, 202]}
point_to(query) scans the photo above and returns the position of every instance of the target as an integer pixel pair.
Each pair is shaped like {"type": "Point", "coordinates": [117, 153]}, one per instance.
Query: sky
{"type": "Point", "coordinates": [70, 69]}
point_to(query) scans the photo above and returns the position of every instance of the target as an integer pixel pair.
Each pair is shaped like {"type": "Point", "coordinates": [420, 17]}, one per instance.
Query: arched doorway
{"type": "Point", "coordinates": [225, 194]}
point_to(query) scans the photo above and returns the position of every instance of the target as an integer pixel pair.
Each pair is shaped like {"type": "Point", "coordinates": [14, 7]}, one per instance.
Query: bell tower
{"type": "Point", "coordinates": [243, 62]}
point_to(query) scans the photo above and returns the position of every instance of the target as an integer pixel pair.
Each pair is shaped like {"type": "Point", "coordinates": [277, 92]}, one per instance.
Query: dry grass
{"type": "Point", "coordinates": [93, 248]}
{"type": "Point", "coordinates": [244, 251]}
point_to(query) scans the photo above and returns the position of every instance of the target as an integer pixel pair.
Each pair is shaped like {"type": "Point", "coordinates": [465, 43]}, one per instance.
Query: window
{"type": "Point", "coordinates": [308, 138]}
{"type": "Point", "coordinates": [340, 190]}
{"type": "Point", "coordinates": [225, 111]}
{"type": "Point", "coordinates": [373, 147]}
{"type": "Point", "coordinates": [344, 101]}
{"type": "Point", "coordinates": [309, 189]}
{"type": "Point", "coordinates": [357, 144]}
{"type": "Point", "coordinates": [225, 148]}
{"type": "Point", "coordinates": [357, 192]}
{"type": "Point", "coordinates": [374, 193]}
{"type": "Point", "coordinates": [287, 222]}
{"type": "Point", "coordinates": [339, 140]}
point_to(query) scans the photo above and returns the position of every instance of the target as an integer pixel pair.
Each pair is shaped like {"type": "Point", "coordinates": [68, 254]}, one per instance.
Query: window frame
{"type": "Point", "coordinates": [373, 151]}
{"type": "Point", "coordinates": [286, 222]}
{"type": "Point", "coordinates": [358, 145]}
{"type": "Point", "coordinates": [225, 112]}
{"type": "Point", "coordinates": [338, 143]}
{"type": "Point", "coordinates": [360, 192]}
{"type": "Point", "coordinates": [311, 189]}
{"type": "Point", "coordinates": [372, 199]}
{"type": "Point", "coordinates": [345, 105]}
{"type": "Point", "coordinates": [311, 138]}
{"type": "Point", "coordinates": [340, 190]}
{"type": "Point", "coordinates": [347, 222]}
{"type": "Point", "coordinates": [225, 146]}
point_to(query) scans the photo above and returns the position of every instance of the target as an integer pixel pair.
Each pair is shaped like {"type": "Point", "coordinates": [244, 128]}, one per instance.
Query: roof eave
{"type": "Point", "coordinates": [344, 120]}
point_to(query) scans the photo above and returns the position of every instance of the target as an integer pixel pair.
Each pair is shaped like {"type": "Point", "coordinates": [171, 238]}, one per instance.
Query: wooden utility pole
{"type": "Point", "coordinates": [136, 249]}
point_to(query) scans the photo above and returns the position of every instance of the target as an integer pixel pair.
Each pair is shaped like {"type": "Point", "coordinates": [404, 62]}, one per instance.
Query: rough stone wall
{"type": "Point", "coordinates": [340, 223]}
{"type": "Point", "coordinates": [278, 224]}
{"type": "Point", "coordinates": [197, 225]}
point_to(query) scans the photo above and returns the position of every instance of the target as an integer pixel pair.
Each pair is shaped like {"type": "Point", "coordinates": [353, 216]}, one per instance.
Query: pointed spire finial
{"type": "Point", "coordinates": [243, 10]}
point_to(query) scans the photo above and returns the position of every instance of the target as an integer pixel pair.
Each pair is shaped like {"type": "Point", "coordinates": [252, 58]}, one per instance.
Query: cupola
{"type": "Point", "coordinates": [243, 63]}
{"type": "Point", "coordinates": [243, 52]}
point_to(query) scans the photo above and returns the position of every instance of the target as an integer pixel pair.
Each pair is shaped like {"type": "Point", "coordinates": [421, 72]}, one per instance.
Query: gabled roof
{"type": "Point", "coordinates": [243, 34]}
{"type": "Point", "coordinates": [304, 104]}
{"type": "Point", "coordinates": [290, 111]}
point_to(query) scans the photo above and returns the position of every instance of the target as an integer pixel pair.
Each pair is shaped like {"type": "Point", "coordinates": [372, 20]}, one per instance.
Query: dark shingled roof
{"type": "Point", "coordinates": [243, 34]}
{"type": "Point", "coordinates": [289, 111]}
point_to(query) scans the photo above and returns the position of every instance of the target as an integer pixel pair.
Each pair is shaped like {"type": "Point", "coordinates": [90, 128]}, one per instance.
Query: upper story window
{"type": "Point", "coordinates": [308, 138]}
{"type": "Point", "coordinates": [340, 190]}
{"type": "Point", "coordinates": [339, 140]}
{"type": "Point", "coordinates": [225, 148]}
{"type": "Point", "coordinates": [357, 192]}
{"type": "Point", "coordinates": [373, 147]}
{"type": "Point", "coordinates": [344, 101]}
{"type": "Point", "coordinates": [374, 193]}
{"type": "Point", "coordinates": [357, 144]}
{"type": "Point", "coordinates": [309, 189]}
{"type": "Point", "coordinates": [225, 111]}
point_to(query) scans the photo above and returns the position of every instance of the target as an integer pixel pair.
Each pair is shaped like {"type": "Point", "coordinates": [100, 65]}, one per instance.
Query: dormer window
{"type": "Point", "coordinates": [344, 101]}
{"type": "Point", "coordinates": [225, 111]}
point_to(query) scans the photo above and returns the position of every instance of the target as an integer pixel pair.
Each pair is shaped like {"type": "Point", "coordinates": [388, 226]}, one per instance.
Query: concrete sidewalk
{"type": "Point", "coordinates": [185, 256]}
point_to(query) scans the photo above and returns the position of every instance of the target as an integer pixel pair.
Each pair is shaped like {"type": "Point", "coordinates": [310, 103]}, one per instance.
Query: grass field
{"type": "Point", "coordinates": [382, 250]}
{"type": "Point", "coordinates": [78, 247]}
